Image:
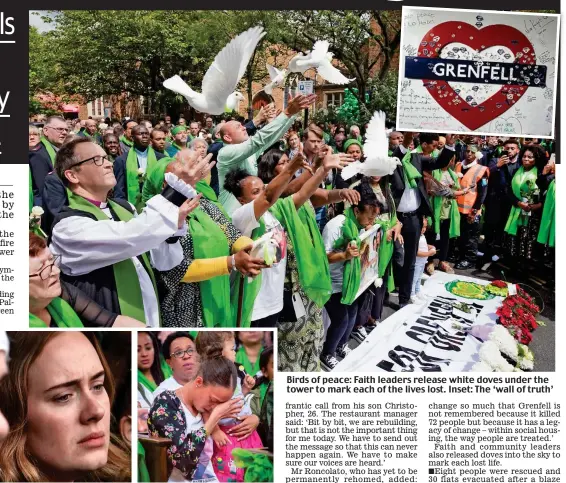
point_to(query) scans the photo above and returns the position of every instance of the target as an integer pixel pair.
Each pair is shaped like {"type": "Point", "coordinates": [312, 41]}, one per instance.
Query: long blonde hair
{"type": "Point", "coordinates": [16, 463]}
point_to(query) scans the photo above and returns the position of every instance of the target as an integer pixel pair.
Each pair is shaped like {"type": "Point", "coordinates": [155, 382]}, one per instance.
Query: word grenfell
{"type": "Point", "coordinates": [475, 71]}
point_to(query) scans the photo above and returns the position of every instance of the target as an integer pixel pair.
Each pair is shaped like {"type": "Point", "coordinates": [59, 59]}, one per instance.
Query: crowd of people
{"type": "Point", "coordinates": [228, 223]}
{"type": "Point", "coordinates": [210, 392]}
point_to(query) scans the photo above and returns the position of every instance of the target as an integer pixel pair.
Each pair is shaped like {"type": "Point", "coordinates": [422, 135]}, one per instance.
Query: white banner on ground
{"type": "Point", "coordinates": [420, 337]}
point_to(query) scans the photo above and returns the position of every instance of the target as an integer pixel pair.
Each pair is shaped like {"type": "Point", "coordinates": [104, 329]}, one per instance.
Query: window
{"type": "Point", "coordinates": [335, 99]}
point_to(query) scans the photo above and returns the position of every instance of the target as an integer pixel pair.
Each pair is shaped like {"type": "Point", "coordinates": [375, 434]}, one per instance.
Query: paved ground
{"type": "Point", "coordinates": [543, 344]}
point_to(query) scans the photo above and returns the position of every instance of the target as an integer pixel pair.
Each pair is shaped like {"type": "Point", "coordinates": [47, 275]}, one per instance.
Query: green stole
{"type": "Point", "coordinates": [30, 192]}
{"type": "Point", "coordinates": [61, 313]}
{"type": "Point", "coordinates": [353, 267]}
{"type": "Point", "coordinates": [410, 173]}
{"type": "Point", "coordinates": [520, 184]}
{"type": "Point", "coordinates": [242, 358]}
{"type": "Point", "coordinates": [50, 150]}
{"type": "Point", "coordinates": [385, 251]}
{"type": "Point", "coordinates": [127, 142]}
{"type": "Point", "coordinates": [209, 241]}
{"type": "Point", "coordinates": [146, 382]}
{"type": "Point", "coordinates": [437, 206]}
{"type": "Point", "coordinates": [547, 231]}
{"type": "Point", "coordinates": [312, 263]}
{"type": "Point", "coordinates": [127, 285]}
{"type": "Point", "coordinates": [143, 473]}
{"type": "Point", "coordinates": [132, 177]}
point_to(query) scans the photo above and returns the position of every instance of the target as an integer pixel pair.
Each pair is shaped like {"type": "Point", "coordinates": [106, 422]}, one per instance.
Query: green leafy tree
{"type": "Point", "coordinates": [365, 42]}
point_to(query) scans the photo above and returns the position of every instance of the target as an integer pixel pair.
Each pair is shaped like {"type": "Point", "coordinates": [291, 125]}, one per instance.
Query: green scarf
{"type": "Point", "coordinates": [165, 368]}
{"type": "Point", "coordinates": [154, 179]}
{"type": "Point", "coordinates": [258, 466]}
{"type": "Point", "coordinates": [143, 473]}
{"type": "Point", "coordinates": [126, 141]}
{"type": "Point", "coordinates": [150, 385]}
{"type": "Point", "coordinates": [61, 313]}
{"type": "Point", "coordinates": [520, 186]}
{"type": "Point", "coordinates": [209, 241]}
{"type": "Point", "coordinates": [411, 173]}
{"type": "Point", "coordinates": [547, 231]}
{"type": "Point", "coordinates": [312, 263]}
{"type": "Point", "coordinates": [125, 275]}
{"type": "Point", "coordinates": [50, 150]}
{"type": "Point", "coordinates": [242, 359]}
{"type": "Point", "coordinates": [352, 268]}
{"type": "Point", "coordinates": [133, 178]}
{"type": "Point", "coordinates": [386, 249]}
{"type": "Point", "coordinates": [437, 206]}
{"type": "Point", "coordinates": [30, 192]}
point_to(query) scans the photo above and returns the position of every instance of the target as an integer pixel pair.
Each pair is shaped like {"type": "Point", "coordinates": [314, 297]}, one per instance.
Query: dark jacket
{"type": "Point", "coordinates": [422, 163]}
{"type": "Point", "coordinates": [121, 189]}
{"type": "Point", "coordinates": [40, 165]}
{"type": "Point", "coordinates": [54, 199]}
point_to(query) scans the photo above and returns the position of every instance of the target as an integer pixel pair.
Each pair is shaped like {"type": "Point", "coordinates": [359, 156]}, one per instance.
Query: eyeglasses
{"type": "Point", "coordinates": [98, 160]}
{"type": "Point", "coordinates": [47, 271]}
{"type": "Point", "coordinates": [62, 130]}
{"type": "Point", "coordinates": [181, 354]}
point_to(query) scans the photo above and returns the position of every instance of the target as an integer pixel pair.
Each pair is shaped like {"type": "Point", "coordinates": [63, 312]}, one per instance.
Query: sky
{"type": "Point", "coordinates": [35, 21]}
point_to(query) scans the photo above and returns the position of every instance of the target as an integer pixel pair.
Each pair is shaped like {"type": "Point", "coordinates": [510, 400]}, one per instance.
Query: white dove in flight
{"type": "Point", "coordinates": [222, 76]}
{"type": "Point", "coordinates": [233, 101]}
{"type": "Point", "coordinates": [321, 60]}
{"type": "Point", "coordinates": [377, 161]}
{"type": "Point", "coordinates": [277, 78]}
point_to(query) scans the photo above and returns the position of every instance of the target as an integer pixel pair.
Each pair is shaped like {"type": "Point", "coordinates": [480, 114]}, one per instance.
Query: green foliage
{"type": "Point", "coordinates": [95, 53]}
{"type": "Point", "coordinates": [364, 41]}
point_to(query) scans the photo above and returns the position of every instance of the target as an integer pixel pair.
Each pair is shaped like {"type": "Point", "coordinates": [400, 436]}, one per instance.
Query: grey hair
{"type": "Point", "coordinates": [193, 143]}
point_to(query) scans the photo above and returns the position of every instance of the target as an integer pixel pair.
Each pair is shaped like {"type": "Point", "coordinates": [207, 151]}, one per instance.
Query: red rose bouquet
{"type": "Point", "coordinates": [518, 314]}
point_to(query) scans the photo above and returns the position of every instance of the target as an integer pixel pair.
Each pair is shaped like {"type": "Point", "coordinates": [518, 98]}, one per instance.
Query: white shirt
{"type": "Point", "coordinates": [423, 245]}
{"type": "Point", "coordinates": [86, 245]}
{"type": "Point", "coordinates": [205, 470]}
{"type": "Point", "coordinates": [410, 201]}
{"type": "Point", "coordinates": [332, 232]}
{"type": "Point", "coordinates": [169, 384]}
{"type": "Point", "coordinates": [142, 158]}
{"type": "Point", "coordinates": [269, 300]}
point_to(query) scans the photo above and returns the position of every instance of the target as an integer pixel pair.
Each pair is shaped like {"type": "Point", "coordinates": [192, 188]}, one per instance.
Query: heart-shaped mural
{"type": "Point", "coordinates": [473, 116]}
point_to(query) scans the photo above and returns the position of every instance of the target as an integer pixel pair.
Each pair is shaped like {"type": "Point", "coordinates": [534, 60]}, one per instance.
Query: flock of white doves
{"type": "Point", "coordinates": [222, 77]}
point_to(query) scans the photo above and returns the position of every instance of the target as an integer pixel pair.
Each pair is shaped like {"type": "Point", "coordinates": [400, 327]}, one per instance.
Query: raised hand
{"type": "Point", "coordinates": [298, 103]}
{"type": "Point", "coordinates": [194, 168]}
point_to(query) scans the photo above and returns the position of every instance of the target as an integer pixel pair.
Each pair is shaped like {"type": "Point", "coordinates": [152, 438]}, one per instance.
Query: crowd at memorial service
{"type": "Point", "coordinates": [162, 222]}
{"type": "Point", "coordinates": [210, 393]}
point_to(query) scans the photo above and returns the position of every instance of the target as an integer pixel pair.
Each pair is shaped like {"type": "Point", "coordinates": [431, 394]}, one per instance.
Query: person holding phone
{"type": "Point", "coordinates": [497, 206]}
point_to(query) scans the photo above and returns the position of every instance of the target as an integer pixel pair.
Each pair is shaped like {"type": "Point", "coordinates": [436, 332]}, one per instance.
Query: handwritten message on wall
{"type": "Point", "coordinates": [477, 72]}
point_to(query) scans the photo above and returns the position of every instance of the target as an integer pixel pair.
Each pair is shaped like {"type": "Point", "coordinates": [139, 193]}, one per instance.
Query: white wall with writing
{"type": "Point", "coordinates": [476, 107]}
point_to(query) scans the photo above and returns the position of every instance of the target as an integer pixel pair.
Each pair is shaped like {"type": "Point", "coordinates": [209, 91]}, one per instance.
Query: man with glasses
{"type": "Point", "coordinates": [103, 244]}
{"type": "Point", "coordinates": [131, 166]}
{"type": "Point", "coordinates": [42, 160]}
{"type": "Point", "coordinates": [180, 354]}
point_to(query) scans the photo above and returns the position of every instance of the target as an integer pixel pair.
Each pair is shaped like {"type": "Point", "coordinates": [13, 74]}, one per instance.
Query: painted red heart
{"type": "Point", "coordinates": [473, 117]}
